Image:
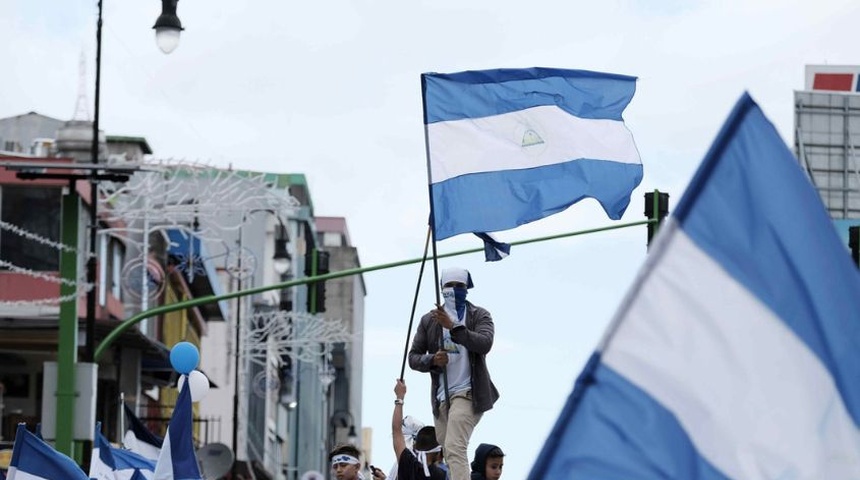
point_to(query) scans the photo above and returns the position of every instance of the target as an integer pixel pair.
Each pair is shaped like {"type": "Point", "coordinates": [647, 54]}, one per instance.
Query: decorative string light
{"type": "Point", "coordinates": [36, 237]}
{"type": "Point", "coordinates": [41, 275]}
{"type": "Point", "coordinates": [214, 201]}
{"type": "Point", "coordinates": [305, 336]}
{"type": "Point", "coordinates": [43, 301]}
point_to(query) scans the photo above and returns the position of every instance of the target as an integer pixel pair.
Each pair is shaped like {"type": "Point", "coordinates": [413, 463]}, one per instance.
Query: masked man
{"type": "Point", "coordinates": [451, 343]}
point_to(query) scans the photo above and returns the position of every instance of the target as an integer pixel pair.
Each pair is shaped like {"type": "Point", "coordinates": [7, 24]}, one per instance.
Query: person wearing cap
{"type": "Point", "coordinates": [422, 461]}
{"type": "Point", "coordinates": [451, 343]}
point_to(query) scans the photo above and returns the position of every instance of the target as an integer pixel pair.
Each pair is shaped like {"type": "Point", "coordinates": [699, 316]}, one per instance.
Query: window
{"type": "Point", "coordinates": [35, 210]}
{"type": "Point", "coordinates": [111, 256]}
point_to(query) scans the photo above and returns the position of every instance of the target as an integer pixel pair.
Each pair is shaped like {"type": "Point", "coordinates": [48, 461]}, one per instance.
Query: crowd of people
{"type": "Point", "coordinates": [451, 344]}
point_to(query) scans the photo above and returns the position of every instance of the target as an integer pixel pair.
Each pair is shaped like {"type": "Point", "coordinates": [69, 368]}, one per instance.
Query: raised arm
{"type": "Point", "coordinates": [397, 419]}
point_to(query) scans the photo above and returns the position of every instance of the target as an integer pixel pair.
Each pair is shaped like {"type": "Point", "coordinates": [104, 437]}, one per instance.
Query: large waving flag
{"type": "Point", "coordinates": [33, 459]}
{"type": "Point", "coordinates": [736, 354]}
{"type": "Point", "coordinates": [178, 460]}
{"type": "Point", "coordinates": [507, 147]}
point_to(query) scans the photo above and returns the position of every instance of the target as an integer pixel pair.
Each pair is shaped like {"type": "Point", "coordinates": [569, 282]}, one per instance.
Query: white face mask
{"type": "Point", "coordinates": [450, 303]}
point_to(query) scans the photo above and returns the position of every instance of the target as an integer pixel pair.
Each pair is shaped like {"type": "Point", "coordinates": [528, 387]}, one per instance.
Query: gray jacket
{"type": "Point", "coordinates": [476, 336]}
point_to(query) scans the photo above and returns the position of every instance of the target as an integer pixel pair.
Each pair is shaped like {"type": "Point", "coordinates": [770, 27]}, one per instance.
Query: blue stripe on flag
{"type": "Point", "coordinates": [476, 94]}
{"type": "Point", "coordinates": [177, 459]}
{"type": "Point", "coordinates": [740, 233]}
{"type": "Point", "coordinates": [503, 200]}
{"type": "Point", "coordinates": [38, 460]}
{"type": "Point", "coordinates": [126, 459]}
{"type": "Point", "coordinates": [618, 432]}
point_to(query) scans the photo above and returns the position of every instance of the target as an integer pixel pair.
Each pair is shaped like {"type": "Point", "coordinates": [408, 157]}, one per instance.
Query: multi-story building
{"type": "Point", "coordinates": [827, 138]}
{"type": "Point", "coordinates": [30, 279]}
{"type": "Point", "coordinates": [169, 236]}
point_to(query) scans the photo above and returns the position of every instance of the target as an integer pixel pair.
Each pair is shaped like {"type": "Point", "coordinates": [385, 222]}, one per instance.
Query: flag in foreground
{"type": "Point", "coordinates": [735, 355]}
{"type": "Point", "coordinates": [177, 460]}
{"type": "Point", "coordinates": [507, 147]}
{"type": "Point", "coordinates": [33, 459]}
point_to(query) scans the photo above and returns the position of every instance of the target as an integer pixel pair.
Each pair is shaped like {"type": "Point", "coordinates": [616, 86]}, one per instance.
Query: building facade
{"type": "Point", "coordinates": [827, 137]}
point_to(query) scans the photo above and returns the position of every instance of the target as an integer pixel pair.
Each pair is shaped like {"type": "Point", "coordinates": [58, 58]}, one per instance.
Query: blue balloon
{"type": "Point", "coordinates": [184, 357]}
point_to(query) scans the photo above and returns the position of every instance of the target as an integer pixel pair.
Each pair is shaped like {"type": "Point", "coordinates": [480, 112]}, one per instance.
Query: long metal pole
{"type": "Point", "coordinates": [67, 348]}
{"type": "Point", "coordinates": [237, 349]}
{"type": "Point", "coordinates": [94, 197]}
{"type": "Point", "coordinates": [89, 354]}
{"type": "Point", "coordinates": [194, 302]}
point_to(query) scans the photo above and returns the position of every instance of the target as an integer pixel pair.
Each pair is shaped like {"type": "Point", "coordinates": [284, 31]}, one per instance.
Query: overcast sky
{"type": "Point", "coordinates": [332, 90]}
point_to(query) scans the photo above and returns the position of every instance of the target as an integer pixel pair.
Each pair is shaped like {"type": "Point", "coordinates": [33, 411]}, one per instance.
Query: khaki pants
{"type": "Point", "coordinates": [454, 427]}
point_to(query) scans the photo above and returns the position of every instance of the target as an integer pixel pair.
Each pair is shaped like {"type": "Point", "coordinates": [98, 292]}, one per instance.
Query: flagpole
{"type": "Point", "coordinates": [415, 303]}
{"type": "Point", "coordinates": [436, 288]}
{"type": "Point", "coordinates": [122, 419]}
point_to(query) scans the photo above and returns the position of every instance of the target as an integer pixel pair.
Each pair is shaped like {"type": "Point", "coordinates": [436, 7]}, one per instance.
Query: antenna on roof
{"type": "Point", "coordinates": [82, 112]}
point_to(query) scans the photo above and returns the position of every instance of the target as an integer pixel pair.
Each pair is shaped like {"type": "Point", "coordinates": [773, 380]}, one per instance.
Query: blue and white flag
{"type": "Point", "coordinates": [507, 147]}
{"type": "Point", "coordinates": [129, 465]}
{"type": "Point", "coordinates": [178, 460]}
{"type": "Point", "coordinates": [33, 459]}
{"type": "Point", "coordinates": [736, 353]}
{"type": "Point", "coordinates": [494, 250]}
{"type": "Point", "coordinates": [140, 439]}
{"type": "Point", "coordinates": [110, 463]}
{"type": "Point", "coordinates": [102, 465]}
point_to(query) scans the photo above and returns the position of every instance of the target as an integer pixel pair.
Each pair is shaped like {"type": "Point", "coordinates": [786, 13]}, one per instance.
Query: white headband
{"type": "Point", "coordinates": [344, 458]}
{"type": "Point", "coordinates": [422, 457]}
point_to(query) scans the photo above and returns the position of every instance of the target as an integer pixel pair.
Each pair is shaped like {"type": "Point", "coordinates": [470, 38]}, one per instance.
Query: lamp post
{"type": "Point", "coordinates": [169, 26]}
{"type": "Point", "coordinates": [281, 264]}
{"type": "Point", "coordinates": [343, 419]}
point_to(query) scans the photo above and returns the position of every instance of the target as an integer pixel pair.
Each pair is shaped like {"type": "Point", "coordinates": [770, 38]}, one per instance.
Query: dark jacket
{"type": "Point", "coordinates": [476, 336]}
{"type": "Point", "coordinates": [479, 464]}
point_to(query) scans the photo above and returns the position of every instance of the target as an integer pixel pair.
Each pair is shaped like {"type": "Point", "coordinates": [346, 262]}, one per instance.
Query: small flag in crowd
{"type": "Point", "coordinates": [109, 463]}
{"type": "Point", "coordinates": [140, 439]}
{"type": "Point", "coordinates": [128, 462]}
{"type": "Point", "coordinates": [511, 146]}
{"type": "Point", "coordinates": [33, 459]}
{"type": "Point", "coordinates": [177, 460]}
{"type": "Point", "coordinates": [735, 354]}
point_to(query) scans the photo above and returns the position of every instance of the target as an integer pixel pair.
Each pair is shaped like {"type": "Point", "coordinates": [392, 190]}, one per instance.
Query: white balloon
{"type": "Point", "coordinates": [199, 385]}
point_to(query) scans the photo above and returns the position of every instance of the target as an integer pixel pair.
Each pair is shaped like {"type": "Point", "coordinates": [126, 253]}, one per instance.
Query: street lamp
{"type": "Point", "coordinates": [281, 259]}
{"type": "Point", "coordinates": [343, 419]}
{"type": "Point", "coordinates": [167, 27]}
{"type": "Point", "coordinates": [170, 22]}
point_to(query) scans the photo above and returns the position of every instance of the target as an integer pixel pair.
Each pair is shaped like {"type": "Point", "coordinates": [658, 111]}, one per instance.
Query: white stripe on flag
{"type": "Point", "coordinates": [14, 473]}
{"type": "Point", "coordinates": [721, 361]}
{"type": "Point", "coordinates": [496, 143]}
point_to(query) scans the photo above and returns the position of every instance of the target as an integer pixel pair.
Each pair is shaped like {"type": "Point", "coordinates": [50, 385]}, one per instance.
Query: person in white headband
{"type": "Point", "coordinates": [423, 460]}
{"type": "Point", "coordinates": [345, 463]}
